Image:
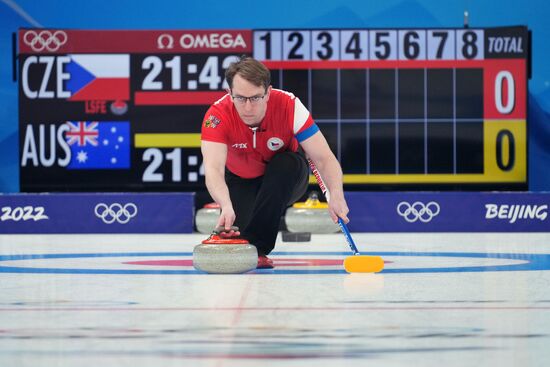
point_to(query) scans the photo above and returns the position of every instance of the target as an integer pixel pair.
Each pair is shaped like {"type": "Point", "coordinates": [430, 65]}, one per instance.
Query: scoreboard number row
{"type": "Point", "coordinates": [307, 45]}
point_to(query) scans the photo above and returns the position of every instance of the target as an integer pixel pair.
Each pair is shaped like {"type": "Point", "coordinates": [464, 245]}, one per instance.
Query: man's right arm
{"type": "Point", "coordinates": [214, 158]}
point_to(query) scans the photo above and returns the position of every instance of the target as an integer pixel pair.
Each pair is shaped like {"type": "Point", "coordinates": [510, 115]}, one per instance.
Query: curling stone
{"type": "Point", "coordinates": [287, 236]}
{"type": "Point", "coordinates": [207, 218]}
{"type": "Point", "coordinates": [310, 216]}
{"type": "Point", "coordinates": [217, 255]}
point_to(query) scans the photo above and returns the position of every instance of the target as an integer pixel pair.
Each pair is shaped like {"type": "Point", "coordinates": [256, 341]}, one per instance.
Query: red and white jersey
{"type": "Point", "coordinates": [286, 123]}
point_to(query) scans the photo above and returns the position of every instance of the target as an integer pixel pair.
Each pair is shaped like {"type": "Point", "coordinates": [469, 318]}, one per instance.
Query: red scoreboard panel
{"type": "Point", "coordinates": [122, 110]}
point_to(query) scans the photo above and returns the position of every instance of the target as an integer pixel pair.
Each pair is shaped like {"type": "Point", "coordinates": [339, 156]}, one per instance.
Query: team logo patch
{"type": "Point", "coordinates": [212, 121]}
{"type": "Point", "coordinates": [275, 144]}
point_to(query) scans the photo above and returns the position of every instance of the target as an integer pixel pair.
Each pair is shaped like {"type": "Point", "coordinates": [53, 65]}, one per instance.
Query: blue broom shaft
{"type": "Point", "coordinates": [345, 230]}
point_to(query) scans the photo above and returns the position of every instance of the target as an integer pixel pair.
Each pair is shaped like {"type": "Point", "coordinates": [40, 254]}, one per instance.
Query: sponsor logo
{"type": "Point", "coordinates": [45, 40]}
{"type": "Point", "coordinates": [418, 211]}
{"type": "Point", "coordinates": [515, 212]}
{"type": "Point", "coordinates": [318, 177]}
{"type": "Point", "coordinates": [240, 145]}
{"type": "Point", "coordinates": [95, 107]}
{"type": "Point", "coordinates": [212, 121]}
{"type": "Point", "coordinates": [115, 212]}
{"type": "Point", "coordinates": [119, 107]}
{"type": "Point", "coordinates": [24, 213]}
{"type": "Point", "coordinates": [275, 144]}
{"type": "Point", "coordinates": [202, 41]}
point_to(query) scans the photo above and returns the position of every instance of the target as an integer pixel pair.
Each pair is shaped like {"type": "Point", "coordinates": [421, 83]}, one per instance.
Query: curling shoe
{"type": "Point", "coordinates": [264, 262]}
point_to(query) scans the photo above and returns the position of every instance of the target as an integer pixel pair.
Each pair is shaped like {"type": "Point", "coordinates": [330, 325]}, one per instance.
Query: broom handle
{"type": "Point", "coordinates": [325, 191]}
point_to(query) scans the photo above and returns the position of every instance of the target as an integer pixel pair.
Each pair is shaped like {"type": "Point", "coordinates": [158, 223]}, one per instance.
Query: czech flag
{"type": "Point", "coordinates": [99, 77]}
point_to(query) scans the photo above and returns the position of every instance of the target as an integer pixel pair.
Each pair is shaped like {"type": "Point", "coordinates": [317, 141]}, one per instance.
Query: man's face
{"type": "Point", "coordinates": [249, 100]}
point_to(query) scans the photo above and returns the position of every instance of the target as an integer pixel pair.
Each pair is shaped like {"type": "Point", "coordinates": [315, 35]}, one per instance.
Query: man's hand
{"type": "Point", "coordinates": [226, 220]}
{"type": "Point", "coordinates": [338, 208]}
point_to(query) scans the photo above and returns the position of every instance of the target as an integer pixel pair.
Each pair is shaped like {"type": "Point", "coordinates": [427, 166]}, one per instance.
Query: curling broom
{"type": "Point", "coordinates": [357, 263]}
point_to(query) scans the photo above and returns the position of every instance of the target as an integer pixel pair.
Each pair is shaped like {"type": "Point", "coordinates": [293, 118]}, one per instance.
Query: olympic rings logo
{"type": "Point", "coordinates": [418, 211]}
{"type": "Point", "coordinates": [115, 212]}
{"type": "Point", "coordinates": [45, 40]}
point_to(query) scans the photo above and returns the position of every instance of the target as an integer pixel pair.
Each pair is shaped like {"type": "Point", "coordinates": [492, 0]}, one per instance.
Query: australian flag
{"type": "Point", "coordinates": [99, 144]}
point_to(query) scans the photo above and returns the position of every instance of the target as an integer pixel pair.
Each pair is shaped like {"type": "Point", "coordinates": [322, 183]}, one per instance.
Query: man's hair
{"type": "Point", "coordinates": [250, 70]}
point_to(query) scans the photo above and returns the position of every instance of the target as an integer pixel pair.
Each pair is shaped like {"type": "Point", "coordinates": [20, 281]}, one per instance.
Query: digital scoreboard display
{"type": "Point", "coordinates": [122, 110]}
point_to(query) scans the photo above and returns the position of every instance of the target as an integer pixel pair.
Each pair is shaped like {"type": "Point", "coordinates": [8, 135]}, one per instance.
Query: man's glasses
{"type": "Point", "coordinates": [253, 100]}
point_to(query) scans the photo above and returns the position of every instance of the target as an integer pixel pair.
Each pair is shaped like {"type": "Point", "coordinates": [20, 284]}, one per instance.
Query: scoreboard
{"type": "Point", "coordinates": [122, 110]}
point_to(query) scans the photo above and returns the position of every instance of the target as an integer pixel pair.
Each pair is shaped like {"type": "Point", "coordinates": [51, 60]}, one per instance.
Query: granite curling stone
{"type": "Point", "coordinates": [310, 216]}
{"type": "Point", "coordinates": [207, 218]}
{"type": "Point", "coordinates": [217, 255]}
{"type": "Point", "coordinates": [287, 236]}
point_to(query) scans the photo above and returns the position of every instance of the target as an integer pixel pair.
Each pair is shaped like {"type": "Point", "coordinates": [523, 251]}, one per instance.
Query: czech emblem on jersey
{"type": "Point", "coordinates": [212, 121]}
{"type": "Point", "coordinates": [275, 144]}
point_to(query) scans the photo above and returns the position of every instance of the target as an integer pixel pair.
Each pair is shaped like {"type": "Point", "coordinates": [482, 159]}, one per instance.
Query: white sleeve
{"type": "Point", "coordinates": [301, 115]}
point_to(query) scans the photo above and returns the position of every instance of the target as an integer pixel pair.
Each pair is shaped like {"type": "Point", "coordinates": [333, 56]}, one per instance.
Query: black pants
{"type": "Point", "coordinates": [260, 202]}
